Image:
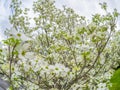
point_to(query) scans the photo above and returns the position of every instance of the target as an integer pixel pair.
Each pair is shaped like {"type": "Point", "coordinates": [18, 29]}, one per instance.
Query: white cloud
{"type": "Point", "coordinates": [5, 11]}
{"type": "Point", "coordinates": [1, 35]}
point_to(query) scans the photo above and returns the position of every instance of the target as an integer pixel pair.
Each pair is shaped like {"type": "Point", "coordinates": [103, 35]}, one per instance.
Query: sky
{"type": "Point", "coordinates": [83, 7]}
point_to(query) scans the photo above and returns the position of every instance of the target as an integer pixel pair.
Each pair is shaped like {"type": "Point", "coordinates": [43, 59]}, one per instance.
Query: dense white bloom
{"type": "Point", "coordinates": [25, 46]}
{"type": "Point", "coordinates": [85, 47]}
{"type": "Point", "coordinates": [60, 69]}
{"type": "Point", "coordinates": [108, 75]}
{"type": "Point", "coordinates": [102, 60]}
{"type": "Point", "coordinates": [29, 55]}
{"type": "Point", "coordinates": [102, 86]}
{"type": "Point", "coordinates": [53, 89]}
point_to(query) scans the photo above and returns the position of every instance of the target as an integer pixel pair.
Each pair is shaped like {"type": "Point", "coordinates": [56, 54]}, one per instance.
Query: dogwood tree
{"type": "Point", "coordinates": [62, 51]}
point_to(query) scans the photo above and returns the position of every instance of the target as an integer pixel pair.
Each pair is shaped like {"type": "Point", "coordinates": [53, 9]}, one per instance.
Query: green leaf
{"type": "Point", "coordinates": [115, 80]}
{"type": "Point", "coordinates": [103, 5]}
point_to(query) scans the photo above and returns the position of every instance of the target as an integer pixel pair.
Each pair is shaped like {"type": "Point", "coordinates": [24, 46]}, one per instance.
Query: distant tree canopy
{"type": "Point", "coordinates": [62, 51]}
